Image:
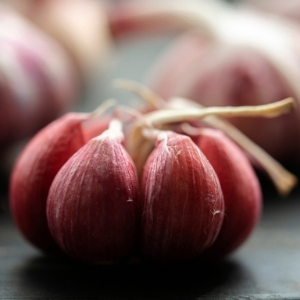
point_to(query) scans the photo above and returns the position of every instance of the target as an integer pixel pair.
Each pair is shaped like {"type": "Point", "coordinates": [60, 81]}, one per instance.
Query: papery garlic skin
{"type": "Point", "coordinates": [182, 202]}
{"type": "Point", "coordinates": [91, 208]}
{"type": "Point", "coordinates": [33, 174]}
{"type": "Point", "coordinates": [240, 187]}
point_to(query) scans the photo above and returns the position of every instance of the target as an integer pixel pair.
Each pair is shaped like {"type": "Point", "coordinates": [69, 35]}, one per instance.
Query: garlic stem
{"type": "Point", "coordinates": [101, 109]}
{"type": "Point", "coordinates": [283, 180]}
{"type": "Point", "coordinates": [139, 147]}
{"type": "Point", "coordinates": [114, 131]}
{"type": "Point", "coordinates": [153, 134]}
{"type": "Point", "coordinates": [267, 110]}
{"type": "Point", "coordinates": [194, 112]}
{"type": "Point", "coordinates": [132, 113]}
{"type": "Point", "coordinates": [181, 109]}
{"type": "Point", "coordinates": [140, 90]}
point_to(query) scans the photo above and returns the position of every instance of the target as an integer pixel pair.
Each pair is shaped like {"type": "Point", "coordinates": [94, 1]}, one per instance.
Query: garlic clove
{"type": "Point", "coordinates": [182, 202]}
{"type": "Point", "coordinates": [240, 187]}
{"type": "Point", "coordinates": [33, 173]}
{"type": "Point", "coordinates": [91, 207]}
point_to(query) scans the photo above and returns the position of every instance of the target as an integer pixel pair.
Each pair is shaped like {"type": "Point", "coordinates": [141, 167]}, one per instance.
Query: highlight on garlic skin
{"type": "Point", "coordinates": [100, 199]}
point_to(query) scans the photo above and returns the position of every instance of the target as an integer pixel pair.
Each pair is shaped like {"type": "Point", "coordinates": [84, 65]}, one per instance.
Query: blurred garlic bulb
{"type": "Point", "coordinates": [80, 26]}
{"type": "Point", "coordinates": [38, 80]}
{"type": "Point", "coordinates": [230, 75]}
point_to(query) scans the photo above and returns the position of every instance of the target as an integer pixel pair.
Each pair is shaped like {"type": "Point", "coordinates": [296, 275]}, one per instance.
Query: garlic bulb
{"type": "Point", "coordinates": [38, 79]}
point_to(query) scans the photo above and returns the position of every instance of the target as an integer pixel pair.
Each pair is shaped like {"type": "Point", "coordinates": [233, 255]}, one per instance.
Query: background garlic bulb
{"type": "Point", "coordinates": [38, 78]}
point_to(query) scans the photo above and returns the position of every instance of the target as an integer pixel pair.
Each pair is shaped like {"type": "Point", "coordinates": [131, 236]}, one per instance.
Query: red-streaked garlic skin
{"type": "Point", "coordinates": [240, 187]}
{"type": "Point", "coordinates": [232, 76]}
{"type": "Point", "coordinates": [182, 202]}
{"type": "Point", "coordinates": [91, 208]}
{"type": "Point", "coordinates": [34, 172]}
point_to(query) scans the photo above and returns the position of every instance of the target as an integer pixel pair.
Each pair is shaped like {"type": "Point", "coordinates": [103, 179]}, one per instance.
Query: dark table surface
{"type": "Point", "coordinates": [266, 267]}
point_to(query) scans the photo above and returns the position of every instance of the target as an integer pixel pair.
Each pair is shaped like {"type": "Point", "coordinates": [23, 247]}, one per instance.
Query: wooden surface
{"type": "Point", "coordinates": [266, 267]}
